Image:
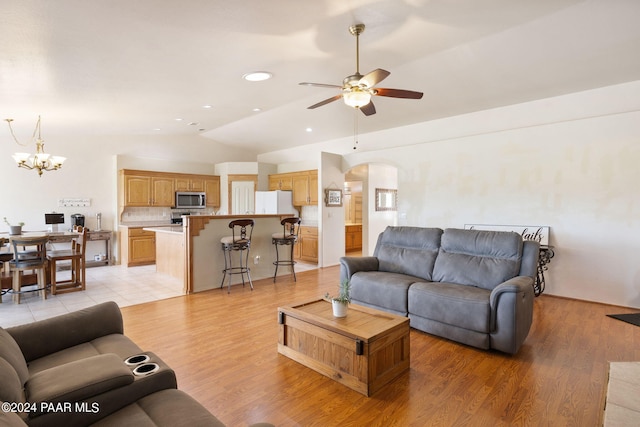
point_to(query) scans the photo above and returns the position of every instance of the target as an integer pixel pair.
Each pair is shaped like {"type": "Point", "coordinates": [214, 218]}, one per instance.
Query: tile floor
{"type": "Point", "coordinates": [125, 286]}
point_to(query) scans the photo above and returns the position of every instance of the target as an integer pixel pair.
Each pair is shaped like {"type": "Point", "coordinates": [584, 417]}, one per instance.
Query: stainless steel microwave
{"type": "Point", "coordinates": [190, 200]}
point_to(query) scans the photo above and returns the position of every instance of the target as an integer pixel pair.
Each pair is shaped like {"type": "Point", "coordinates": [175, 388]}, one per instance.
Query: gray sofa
{"type": "Point", "coordinates": [470, 286]}
{"type": "Point", "coordinates": [77, 369]}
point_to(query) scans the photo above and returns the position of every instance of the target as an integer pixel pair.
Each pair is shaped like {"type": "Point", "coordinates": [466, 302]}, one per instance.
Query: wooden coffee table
{"type": "Point", "coordinates": [364, 351]}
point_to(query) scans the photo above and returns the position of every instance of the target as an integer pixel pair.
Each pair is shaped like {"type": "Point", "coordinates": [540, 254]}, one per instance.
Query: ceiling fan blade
{"type": "Point", "coordinates": [319, 85]}
{"type": "Point", "coordinates": [325, 102]}
{"type": "Point", "coordinates": [368, 109]}
{"type": "Point", "coordinates": [373, 78]}
{"type": "Point", "coordinates": [398, 93]}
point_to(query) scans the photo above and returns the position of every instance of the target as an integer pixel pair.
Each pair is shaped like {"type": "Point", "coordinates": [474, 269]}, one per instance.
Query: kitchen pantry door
{"type": "Point", "coordinates": [242, 197]}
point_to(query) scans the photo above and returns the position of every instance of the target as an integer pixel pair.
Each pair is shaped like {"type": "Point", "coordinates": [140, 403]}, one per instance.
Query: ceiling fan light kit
{"type": "Point", "coordinates": [357, 90]}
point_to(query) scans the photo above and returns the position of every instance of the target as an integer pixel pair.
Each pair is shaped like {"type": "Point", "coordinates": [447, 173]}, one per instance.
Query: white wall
{"type": "Point", "coordinates": [331, 226]}
{"type": "Point", "coordinates": [575, 171]}
{"type": "Point", "coordinates": [379, 176]}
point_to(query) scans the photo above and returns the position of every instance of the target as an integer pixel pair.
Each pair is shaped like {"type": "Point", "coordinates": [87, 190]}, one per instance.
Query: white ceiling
{"type": "Point", "coordinates": [132, 67]}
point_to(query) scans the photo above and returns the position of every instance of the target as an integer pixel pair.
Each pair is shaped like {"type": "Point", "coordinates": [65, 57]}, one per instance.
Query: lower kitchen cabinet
{"type": "Point", "coordinates": [307, 246]}
{"type": "Point", "coordinates": [137, 246]}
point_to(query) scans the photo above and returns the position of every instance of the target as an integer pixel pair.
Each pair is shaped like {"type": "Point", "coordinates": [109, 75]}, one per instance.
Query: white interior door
{"type": "Point", "coordinates": [242, 197]}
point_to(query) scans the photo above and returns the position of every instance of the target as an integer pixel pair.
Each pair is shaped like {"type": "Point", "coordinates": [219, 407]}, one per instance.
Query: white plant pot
{"type": "Point", "coordinates": [339, 308]}
{"type": "Point", "coordinates": [15, 230]}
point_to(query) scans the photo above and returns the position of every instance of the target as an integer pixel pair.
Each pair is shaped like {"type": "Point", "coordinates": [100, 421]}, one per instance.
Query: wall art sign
{"type": "Point", "coordinates": [332, 197]}
{"type": "Point", "coordinates": [536, 233]}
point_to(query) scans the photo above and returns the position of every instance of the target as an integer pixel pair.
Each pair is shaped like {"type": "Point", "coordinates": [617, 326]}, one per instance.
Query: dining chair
{"type": "Point", "coordinates": [29, 253]}
{"type": "Point", "coordinates": [76, 255]}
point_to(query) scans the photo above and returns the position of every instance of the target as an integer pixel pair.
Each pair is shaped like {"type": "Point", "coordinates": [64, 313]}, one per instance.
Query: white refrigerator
{"type": "Point", "coordinates": [274, 202]}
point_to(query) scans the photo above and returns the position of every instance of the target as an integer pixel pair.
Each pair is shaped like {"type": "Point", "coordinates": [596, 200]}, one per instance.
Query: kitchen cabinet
{"type": "Point", "coordinates": [304, 186]}
{"type": "Point", "coordinates": [137, 246]}
{"type": "Point", "coordinates": [162, 191]}
{"type": "Point", "coordinates": [307, 246]}
{"type": "Point", "coordinates": [212, 191]}
{"type": "Point", "coordinates": [186, 183]}
{"type": "Point", "coordinates": [157, 189]}
{"type": "Point", "coordinates": [353, 238]}
{"type": "Point", "coordinates": [280, 181]}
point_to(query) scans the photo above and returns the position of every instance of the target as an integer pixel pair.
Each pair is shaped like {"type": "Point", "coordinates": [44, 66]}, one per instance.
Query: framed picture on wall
{"type": "Point", "coordinates": [332, 197]}
{"type": "Point", "coordinates": [386, 199]}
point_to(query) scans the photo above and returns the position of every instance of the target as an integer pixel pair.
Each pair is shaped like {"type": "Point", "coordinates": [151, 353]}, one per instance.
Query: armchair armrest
{"type": "Point", "coordinates": [351, 265]}
{"type": "Point", "coordinates": [48, 336]}
{"type": "Point", "coordinates": [77, 381]}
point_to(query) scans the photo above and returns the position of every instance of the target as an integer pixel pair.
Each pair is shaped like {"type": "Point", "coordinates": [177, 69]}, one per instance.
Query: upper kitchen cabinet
{"type": "Point", "coordinates": [212, 191]}
{"type": "Point", "coordinates": [185, 183]}
{"type": "Point", "coordinates": [148, 188]}
{"type": "Point", "coordinates": [304, 186]}
{"type": "Point", "coordinates": [280, 181]}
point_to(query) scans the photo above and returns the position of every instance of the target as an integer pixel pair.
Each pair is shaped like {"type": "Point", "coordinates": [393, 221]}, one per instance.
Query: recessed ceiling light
{"type": "Point", "coordinates": [206, 106]}
{"type": "Point", "coordinates": [309, 129]}
{"type": "Point", "coordinates": [257, 76]}
{"type": "Point", "coordinates": [179, 120]}
{"type": "Point", "coordinates": [257, 110]}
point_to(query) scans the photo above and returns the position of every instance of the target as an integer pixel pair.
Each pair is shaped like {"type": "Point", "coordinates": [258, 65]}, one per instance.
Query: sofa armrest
{"type": "Point", "coordinates": [77, 381]}
{"type": "Point", "coordinates": [513, 285]}
{"type": "Point", "coordinates": [48, 336]}
{"type": "Point", "coordinates": [351, 265]}
{"type": "Point", "coordinates": [511, 313]}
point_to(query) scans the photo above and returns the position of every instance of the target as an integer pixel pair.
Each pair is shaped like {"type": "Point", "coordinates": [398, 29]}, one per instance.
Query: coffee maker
{"type": "Point", "coordinates": [77, 219]}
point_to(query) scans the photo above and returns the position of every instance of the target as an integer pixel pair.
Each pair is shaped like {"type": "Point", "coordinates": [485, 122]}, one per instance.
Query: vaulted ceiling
{"type": "Point", "coordinates": [149, 67]}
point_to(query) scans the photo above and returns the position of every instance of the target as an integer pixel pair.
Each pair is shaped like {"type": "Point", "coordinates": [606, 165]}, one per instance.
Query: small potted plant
{"type": "Point", "coordinates": [14, 229]}
{"type": "Point", "coordinates": [341, 302]}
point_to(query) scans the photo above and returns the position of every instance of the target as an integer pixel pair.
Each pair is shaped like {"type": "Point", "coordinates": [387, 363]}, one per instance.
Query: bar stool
{"type": "Point", "coordinates": [29, 253]}
{"type": "Point", "coordinates": [289, 236]}
{"type": "Point", "coordinates": [239, 241]}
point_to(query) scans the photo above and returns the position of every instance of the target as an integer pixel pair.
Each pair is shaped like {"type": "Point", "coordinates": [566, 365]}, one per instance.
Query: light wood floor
{"type": "Point", "coordinates": [223, 349]}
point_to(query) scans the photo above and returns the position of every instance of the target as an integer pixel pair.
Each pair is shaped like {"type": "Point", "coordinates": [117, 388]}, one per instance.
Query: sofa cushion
{"type": "Point", "coordinates": [10, 351]}
{"type": "Point", "coordinates": [478, 257]}
{"type": "Point", "coordinates": [171, 408]}
{"type": "Point", "coordinates": [10, 385]}
{"type": "Point", "coordinates": [115, 343]}
{"type": "Point", "coordinates": [382, 290]}
{"type": "Point", "coordinates": [463, 306]}
{"type": "Point", "coordinates": [408, 250]}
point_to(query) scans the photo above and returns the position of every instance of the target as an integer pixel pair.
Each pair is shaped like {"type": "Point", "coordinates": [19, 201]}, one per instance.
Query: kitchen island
{"type": "Point", "coordinates": [205, 261]}
{"type": "Point", "coordinates": [170, 250]}
{"type": "Point", "coordinates": [192, 251]}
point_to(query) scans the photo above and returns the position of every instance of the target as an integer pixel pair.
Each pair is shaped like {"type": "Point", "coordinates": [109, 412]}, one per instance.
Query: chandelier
{"type": "Point", "coordinates": [39, 161]}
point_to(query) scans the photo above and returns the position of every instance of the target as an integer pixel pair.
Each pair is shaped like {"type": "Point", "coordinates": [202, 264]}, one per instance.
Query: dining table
{"type": "Point", "coordinates": [6, 254]}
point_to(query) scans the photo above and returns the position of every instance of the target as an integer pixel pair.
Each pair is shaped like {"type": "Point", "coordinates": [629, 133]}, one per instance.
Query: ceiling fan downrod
{"type": "Point", "coordinates": [356, 30]}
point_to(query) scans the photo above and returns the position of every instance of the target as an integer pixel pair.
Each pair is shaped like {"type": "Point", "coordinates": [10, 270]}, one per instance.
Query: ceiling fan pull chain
{"type": "Point", "coordinates": [355, 129]}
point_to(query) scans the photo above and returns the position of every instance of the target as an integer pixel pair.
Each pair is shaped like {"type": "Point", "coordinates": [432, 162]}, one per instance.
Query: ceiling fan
{"type": "Point", "coordinates": [357, 89]}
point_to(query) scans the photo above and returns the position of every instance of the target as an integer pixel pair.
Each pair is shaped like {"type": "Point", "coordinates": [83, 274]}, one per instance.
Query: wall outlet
{"type": "Point", "coordinates": [256, 259]}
